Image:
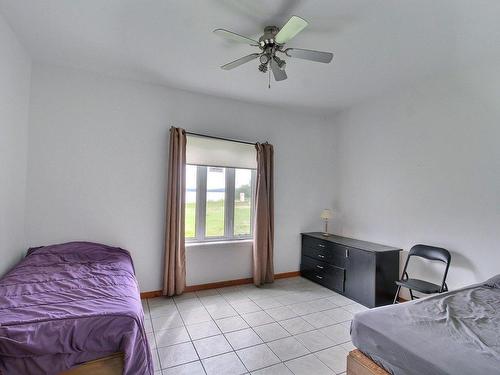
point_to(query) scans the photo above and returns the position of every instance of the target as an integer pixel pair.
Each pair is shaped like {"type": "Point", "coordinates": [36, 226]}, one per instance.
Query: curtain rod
{"type": "Point", "coordinates": [220, 138]}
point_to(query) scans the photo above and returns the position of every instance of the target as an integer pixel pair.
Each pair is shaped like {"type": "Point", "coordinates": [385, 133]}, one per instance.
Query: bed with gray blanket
{"type": "Point", "coordinates": [453, 333]}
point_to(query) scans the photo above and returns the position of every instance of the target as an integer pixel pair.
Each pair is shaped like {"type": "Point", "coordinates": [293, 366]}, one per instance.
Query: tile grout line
{"type": "Point", "coordinates": [154, 337]}
{"type": "Point", "coordinates": [191, 339]}
{"type": "Point", "coordinates": [234, 350]}
{"type": "Point", "coordinates": [240, 315]}
{"type": "Point", "coordinates": [265, 343]}
{"type": "Point", "coordinates": [252, 328]}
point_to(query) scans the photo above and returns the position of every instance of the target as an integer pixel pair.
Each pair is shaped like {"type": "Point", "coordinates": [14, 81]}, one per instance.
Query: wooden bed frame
{"type": "Point", "coordinates": [110, 365]}
{"type": "Point", "coordinates": [357, 364]}
{"type": "Point", "coordinates": [360, 364]}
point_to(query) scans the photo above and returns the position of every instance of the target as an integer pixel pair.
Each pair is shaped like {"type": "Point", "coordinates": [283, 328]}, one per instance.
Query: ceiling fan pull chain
{"type": "Point", "coordinates": [269, 81]}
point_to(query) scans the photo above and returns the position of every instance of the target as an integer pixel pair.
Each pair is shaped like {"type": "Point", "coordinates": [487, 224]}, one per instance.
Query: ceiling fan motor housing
{"type": "Point", "coordinates": [267, 40]}
{"type": "Point", "coordinates": [268, 45]}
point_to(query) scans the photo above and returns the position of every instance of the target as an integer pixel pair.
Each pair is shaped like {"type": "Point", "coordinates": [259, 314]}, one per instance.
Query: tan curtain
{"type": "Point", "coordinates": [263, 240]}
{"type": "Point", "coordinates": [174, 277]}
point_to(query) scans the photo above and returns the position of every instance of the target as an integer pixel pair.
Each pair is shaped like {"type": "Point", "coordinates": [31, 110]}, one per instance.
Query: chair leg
{"type": "Point", "coordinates": [397, 295]}
{"type": "Point", "coordinates": [411, 294]}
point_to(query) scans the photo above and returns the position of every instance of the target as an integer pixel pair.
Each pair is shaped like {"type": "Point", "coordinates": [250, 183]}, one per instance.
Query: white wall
{"type": "Point", "coordinates": [15, 70]}
{"type": "Point", "coordinates": [423, 166]}
{"type": "Point", "coordinates": [97, 159]}
{"type": "Point", "coordinates": [418, 165]}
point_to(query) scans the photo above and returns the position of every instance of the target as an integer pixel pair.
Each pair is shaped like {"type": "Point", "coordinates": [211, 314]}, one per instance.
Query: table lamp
{"type": "Point", "coordinates": [325, 215]}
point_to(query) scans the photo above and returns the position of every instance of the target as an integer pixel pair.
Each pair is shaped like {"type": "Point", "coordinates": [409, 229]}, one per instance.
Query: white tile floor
{"type": "Point", "coordinates": [293, 326]}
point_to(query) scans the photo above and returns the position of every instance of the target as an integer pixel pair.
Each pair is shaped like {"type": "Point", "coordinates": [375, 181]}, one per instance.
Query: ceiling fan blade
{"type": "Point", "coordinates": [226, 34]}
{"type": "Point", "coordinates": [279, 75]}
{"type": "Point", "coordinates": [240, 61]}
{"type": "Point", "coordinates": [294, 26]}
{"type": "Point", "coordinates": [307, 54]}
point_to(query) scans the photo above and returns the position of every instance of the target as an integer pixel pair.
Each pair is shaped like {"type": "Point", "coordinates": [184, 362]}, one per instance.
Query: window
{"type": "Point", "coordinates": [216, 196]}
{"type": "Point", "coordinates": [220, 179]}
{"type": "Point", "coordinates": [190, 221]}
{"type": "Point", "coordinates": [218, 203]}
{"type": "Point", "coordinates": [242, 202]}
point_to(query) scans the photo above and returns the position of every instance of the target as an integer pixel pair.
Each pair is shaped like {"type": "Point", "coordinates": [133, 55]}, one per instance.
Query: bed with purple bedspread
{"type": "Point", "coordinates": [67, 304]}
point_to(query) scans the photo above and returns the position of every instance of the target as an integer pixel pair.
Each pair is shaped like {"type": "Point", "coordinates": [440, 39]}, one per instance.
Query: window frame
{"type": "Point", "coordinates": [229, 200]}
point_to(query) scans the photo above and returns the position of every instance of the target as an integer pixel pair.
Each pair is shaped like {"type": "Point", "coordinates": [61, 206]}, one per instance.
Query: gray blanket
{"type": "Point", "coordinates": [453, 333]}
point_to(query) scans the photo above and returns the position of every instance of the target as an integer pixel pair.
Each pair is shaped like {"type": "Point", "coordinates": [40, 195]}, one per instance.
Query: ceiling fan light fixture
{"type": "Point", "coordinates": [281, 63]}
{"type": "Point", "coordinates": [264, 59]}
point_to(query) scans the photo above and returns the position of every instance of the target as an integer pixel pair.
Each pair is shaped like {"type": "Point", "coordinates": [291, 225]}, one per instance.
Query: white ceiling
{"type": "Point", "coordinates": [378, 45]}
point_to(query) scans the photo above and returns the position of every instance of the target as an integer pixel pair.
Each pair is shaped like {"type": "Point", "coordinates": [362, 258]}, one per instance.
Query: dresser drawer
{"type": "Point", "coordinates": [324, 251]}
{"type": "Point", "coordinates": [316, 243]}
{"type": "Point", "coordinates": [328, 275]}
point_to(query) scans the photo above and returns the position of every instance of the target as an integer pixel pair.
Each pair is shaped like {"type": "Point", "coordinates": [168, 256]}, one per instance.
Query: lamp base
{"type": "Point", "coordinates": [325, 234]}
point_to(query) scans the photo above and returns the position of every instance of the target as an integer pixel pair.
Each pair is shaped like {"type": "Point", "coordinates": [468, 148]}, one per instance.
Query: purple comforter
{"type": "Point", "coordinates": [67, 304]}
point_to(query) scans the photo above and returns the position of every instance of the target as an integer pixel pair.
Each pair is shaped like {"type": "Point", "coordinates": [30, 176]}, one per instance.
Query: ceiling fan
{"type": "Point", "coordinates": [271, 43]}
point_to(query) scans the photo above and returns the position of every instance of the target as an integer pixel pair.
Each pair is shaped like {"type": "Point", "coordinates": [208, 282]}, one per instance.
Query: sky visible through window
{"type": "Point", "coordinates": [191, 184]}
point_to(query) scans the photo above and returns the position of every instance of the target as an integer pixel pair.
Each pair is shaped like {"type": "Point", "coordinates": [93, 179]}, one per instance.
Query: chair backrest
{"type": "Point", "coordinates": [431, 253]}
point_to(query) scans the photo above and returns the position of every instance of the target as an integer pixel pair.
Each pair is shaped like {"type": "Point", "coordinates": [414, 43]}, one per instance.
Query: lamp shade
{"type": "Point", "coordinates": [326, 214]}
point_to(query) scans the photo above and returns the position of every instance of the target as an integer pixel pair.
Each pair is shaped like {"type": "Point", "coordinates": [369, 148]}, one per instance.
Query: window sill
{"type": "Point", "coordinates": [219, 242]}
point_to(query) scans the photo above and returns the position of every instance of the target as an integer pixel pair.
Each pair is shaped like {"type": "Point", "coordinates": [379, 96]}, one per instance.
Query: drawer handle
{"type": "Point", "coordinates": [321, 256]}
{"type": "Point", "coordinates": [320, 245]}
{"type": "Point", "coordinates": [319, 277]}
{"type": "Point", "coordinates": [320, 267]}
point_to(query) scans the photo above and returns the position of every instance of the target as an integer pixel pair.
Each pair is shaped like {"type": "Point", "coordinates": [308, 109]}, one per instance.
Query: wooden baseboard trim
{"type": "Point", "coordinates": [284, 275]}
{"type": "Point", "coordinates": [153, 294]}
{"type": "Point", "coordinates": [219, 284]}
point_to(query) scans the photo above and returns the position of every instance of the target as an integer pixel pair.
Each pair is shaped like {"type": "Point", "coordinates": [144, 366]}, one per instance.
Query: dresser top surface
{"type": "Point", "coordinates": [351, 242]}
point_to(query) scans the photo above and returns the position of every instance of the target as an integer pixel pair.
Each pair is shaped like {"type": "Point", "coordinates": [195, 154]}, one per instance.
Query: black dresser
{"type": "Point", "coordinates": [362, 271]}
